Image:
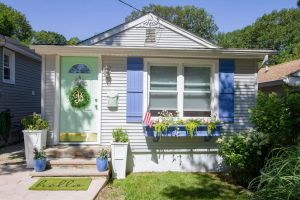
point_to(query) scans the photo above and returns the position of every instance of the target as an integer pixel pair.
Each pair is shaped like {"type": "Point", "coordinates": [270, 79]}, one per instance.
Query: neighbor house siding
{"type": "Point", "coordinates": [49, 94]}
{"type": "Point", "coordinates": [135, 37]}
{"type": "Point", "coordinates": [244, 84]}
{"type": "Point", "coordinates": [24, 97]}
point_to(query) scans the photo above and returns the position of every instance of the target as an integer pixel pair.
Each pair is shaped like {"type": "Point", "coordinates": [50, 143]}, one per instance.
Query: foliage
{"type": "Point", "coordinates": [34, 122]}
{"type": "Point", "coordinates": [73, 41]}
{"type": "Point", "coordinates": [298, 3]}
{"type": "Point", "coordinates": [280, 178]}
{"type": "Point", "coordinates": [243, 154]}
{"type": "Point", "coordinates": [191, 18]}
{"type": "Point", "coordinates": [120, 135]}
{"type": "Point", "coordinates": [191, 125]}
{"type": "Point", "coordinates": [103, 154]}
{"type": "Point", "coordinates": [14, 24]}
{"type": "Point", "coordinates": [278, 30]}
{"type": "Point", "coordinates": [172, 185]}
{"type": "Point", "coordinates": [39, 154]}
{"type": "Point", "coordinates": [5, 125]}
{"type": "Point", "coordinates": [48, 37]}
{"type": "Point", "coordinates": [79, 97]}
{"type": "Point", "coordinates": [167, 119]}
{"type": "Point", "coordinates": [278, 117]}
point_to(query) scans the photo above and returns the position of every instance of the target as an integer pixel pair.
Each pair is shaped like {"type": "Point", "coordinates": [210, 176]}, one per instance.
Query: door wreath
{"type": "Point", "coordinates": [79, 96]}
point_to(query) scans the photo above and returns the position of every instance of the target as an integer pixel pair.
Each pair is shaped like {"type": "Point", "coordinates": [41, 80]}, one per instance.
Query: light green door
{"type": "Point", "coordinates": [79, 124]}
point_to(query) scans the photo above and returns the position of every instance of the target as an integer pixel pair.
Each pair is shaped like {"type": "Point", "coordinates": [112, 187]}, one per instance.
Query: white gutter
{"type": "Point", "coordinates": [152, 51]}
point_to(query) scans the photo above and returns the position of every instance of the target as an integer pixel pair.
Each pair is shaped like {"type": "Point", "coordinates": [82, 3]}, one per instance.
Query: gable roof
{"type": "Point", "coordinates": [141, 22]}
{"type": "Point", "coordinates": [16, 46]}
{"type": "Point", "coordinates": [278, 72]}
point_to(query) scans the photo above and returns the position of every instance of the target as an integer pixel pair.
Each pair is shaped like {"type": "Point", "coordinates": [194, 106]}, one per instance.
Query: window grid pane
{"type": "Point", "coordinates": [6, 73]}
{"type": "Point", "coordinates": [6, 60]}
{"type": "Point", "coordinates": [163, 78]}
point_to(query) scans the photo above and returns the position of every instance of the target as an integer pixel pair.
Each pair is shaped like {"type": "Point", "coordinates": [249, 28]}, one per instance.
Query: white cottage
{"type": "Point", "coordinates": [152, 64]}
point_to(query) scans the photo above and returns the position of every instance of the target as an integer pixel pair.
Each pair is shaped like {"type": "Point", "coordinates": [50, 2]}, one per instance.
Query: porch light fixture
{"type": "Point", "coordinates": [107, 72]}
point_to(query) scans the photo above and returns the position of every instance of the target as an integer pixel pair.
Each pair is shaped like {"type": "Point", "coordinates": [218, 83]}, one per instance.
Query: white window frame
{"type": "Point", "coordinates": [180, 64]}
{"type": "Point", "coordinates": [12, 67]}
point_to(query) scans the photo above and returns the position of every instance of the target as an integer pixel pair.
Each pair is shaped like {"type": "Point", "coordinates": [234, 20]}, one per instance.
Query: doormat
{"type": "Point", "coordinates": [61, 184]}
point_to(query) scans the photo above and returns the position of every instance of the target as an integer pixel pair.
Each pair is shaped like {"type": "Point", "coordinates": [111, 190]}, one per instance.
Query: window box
{"type": "Point", "coordinates": [180, 131]}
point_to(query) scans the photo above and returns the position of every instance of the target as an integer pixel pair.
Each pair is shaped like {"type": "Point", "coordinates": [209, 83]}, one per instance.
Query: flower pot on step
{"type": "Point", "coordinates": [39, 165]}
{"type": "Point", "coordinates": [33, 139]}
{"type": "Point", "coordinates": [101, 164]}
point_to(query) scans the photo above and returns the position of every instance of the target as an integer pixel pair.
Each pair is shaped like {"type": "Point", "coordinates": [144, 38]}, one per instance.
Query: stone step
{"type": "Point", "coordinates": [62, 151]}
{"type": "Point", "coordinates": [72, 162]}
{"type": "Point", "coordinates": [70, 172]}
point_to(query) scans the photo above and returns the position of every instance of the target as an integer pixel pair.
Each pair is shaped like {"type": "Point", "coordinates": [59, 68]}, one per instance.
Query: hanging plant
{"type": "Point", "coordinates": [79, 96]}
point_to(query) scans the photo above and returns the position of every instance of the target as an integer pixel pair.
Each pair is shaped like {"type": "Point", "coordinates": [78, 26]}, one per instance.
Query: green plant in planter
{"type": "Point", "coordinates": [165, 119]}
{"type": "Point", "coordinates": [39, 154]}
{"type": "Point", "coordinates": [103, 154]}
{"type": "Point", "coordinates": [119, 135]}
{"type": "Point", "coordinates": [34, 122]}
{"type": "Point", "coordinates": [191, 125]}
{"type": "Point", "coordinates": [212, 124]}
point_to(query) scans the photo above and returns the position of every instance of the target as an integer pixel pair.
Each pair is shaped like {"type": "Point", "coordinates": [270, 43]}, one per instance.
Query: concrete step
{"type": "Point", "coordinates": [62, 151]}
{"type": "Point", "coordinates": [72, 162]}
{"type": "Point", "coordinates": [70, 172]}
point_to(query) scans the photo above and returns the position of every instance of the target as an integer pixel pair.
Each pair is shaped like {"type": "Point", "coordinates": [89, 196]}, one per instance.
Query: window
{"type": "Point", "coordinates": [8, 66]}
{"type": "Point", "coordinates": [186, 86]}
{"type": "Point", "coordinates": [197, 92]}
{"type": "Point", "coordinates": [79, 69]}
{"type": "Point", "coordinates": [163, 89]}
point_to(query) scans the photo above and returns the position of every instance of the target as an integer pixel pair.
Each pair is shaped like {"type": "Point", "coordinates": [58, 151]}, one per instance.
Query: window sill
{"type": "Point", "coordinates": [8, 82]}
{"type": "Point", "coordinates": [182, 132]}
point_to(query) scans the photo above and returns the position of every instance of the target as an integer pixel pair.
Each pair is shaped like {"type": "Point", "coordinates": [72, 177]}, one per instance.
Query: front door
{"type": "Point", "coordinates": [78, 124]}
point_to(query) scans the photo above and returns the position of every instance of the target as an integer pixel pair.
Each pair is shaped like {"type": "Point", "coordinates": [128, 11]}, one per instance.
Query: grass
{"type": "Point", "coordinates": [61, 184]}
{"type": "Point", "coordinates": [172, 185]}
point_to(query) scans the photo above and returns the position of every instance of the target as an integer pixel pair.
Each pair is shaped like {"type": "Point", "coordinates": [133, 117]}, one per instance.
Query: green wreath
{"type": "Point", "coordinates": [79, 97]}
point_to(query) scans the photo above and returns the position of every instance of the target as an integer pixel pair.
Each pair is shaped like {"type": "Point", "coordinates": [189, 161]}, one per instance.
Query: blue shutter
{"type": "Point", "coordinates": [134, 101]}
{"type": "Point", "coordinates": [226, 96]}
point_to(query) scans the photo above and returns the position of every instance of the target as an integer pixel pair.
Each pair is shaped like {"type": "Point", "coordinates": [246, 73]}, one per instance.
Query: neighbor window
{"type": "Point", "coordinates": [185, 88]}
{"type": "Point", "coordinates": [163, 89]}
{"type": "Point", "coordinates": [8, 66]}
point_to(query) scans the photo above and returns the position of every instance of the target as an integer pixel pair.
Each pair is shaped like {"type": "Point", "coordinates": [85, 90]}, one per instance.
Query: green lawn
{"type": "Point", "coordinates": [172, 185]}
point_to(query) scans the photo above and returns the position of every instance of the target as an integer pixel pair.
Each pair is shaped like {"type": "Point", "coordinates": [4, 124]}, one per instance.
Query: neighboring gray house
{"type": "Point", "coordinates": [20, 83]}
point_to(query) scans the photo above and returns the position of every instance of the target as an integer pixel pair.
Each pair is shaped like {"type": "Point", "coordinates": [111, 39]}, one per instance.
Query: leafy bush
{"type": "Point", "coordinates": [34, 122]}
{"type": "Point", "coordinates": [278, 117]}
{"type": "Point", "coordinates": [243, 153]}
{"type": "Point", "coordinates": [120, 135]}
{"type": "Point", "coordinates": [280, 178]}
{"type": "Point", "coordinates": [39, 154]}
{"type": "Point", "coordinates": [5, 125]}
{"type": "Point", "coordinates": [103, 154]}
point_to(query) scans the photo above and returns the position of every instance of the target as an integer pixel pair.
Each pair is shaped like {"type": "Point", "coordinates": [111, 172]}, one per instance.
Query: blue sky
{"type": "Point", "coordinates": [84, 18]}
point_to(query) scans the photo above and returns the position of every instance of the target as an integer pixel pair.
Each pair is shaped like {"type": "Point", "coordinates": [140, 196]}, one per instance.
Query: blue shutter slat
{"type": "Point", "coordinates": [134, 89]}
{"type": "Point", "coordinates": [226, 96]}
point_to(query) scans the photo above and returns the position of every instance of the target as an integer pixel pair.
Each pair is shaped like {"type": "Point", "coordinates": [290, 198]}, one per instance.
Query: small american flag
{"type": "Point", "coordinates": [147, 119]}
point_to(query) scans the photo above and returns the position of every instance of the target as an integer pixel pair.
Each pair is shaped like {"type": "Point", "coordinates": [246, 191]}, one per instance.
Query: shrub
{"type": "Point", "coordinates": [278, 117]}
{"type": "Point", "coordinates": [120, 135]}
{"type": "Point", "coordinates": [34, 122]}
{"type": "Point", "coordinates": [5, 125]}
{"type": "Point", "coordinates": [39, 154]}
{"type": "Point", "coordinates": [280, 178]}
{"type": "Point", "coordinates": [243, 153]}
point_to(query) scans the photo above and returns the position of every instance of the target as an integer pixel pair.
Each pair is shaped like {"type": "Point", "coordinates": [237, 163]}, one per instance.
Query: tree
{"type": "Point", "coordinates": [48, 37]}
{"type": "Point", "coordinates": [14, 24]}
{"type": "Point", "coordinates": [191, 18]}
{"type": "Point", "coordinates": [278, 30]}
{"type": "Point", "coordinates": [73, 41]}
{"type": "Point", "coordinates": [298, 3]}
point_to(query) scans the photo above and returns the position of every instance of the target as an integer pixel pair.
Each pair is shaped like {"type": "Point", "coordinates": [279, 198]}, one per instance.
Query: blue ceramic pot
{"type": "Point", "coordinates": [101, 164]}
{"type": "Point", "coordinates": [39, 165]}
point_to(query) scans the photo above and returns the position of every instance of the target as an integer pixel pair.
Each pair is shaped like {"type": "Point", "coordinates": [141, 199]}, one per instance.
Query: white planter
{"type": "Point", "coordinates": [32, 139]}
{"type": "Point", "coordinates": [119, 159]}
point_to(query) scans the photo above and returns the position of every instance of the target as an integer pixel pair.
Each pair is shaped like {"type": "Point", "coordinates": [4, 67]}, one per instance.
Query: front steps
{"type": "Point", "coordinates": [72, 161]}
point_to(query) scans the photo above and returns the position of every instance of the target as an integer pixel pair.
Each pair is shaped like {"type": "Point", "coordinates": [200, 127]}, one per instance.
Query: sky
{"type": "Point", "coordinates": [84, 18]}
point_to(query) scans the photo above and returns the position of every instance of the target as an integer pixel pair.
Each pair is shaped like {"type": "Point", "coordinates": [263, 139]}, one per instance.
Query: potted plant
{"type": "Point", "coordinates": [39, 160]}
{"type": "Point", "coordinates": [35, 136]}
{"type": "Point", "coordinates": [102, 160]}
{"type": "Point", "coordinates": [119, 148]}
